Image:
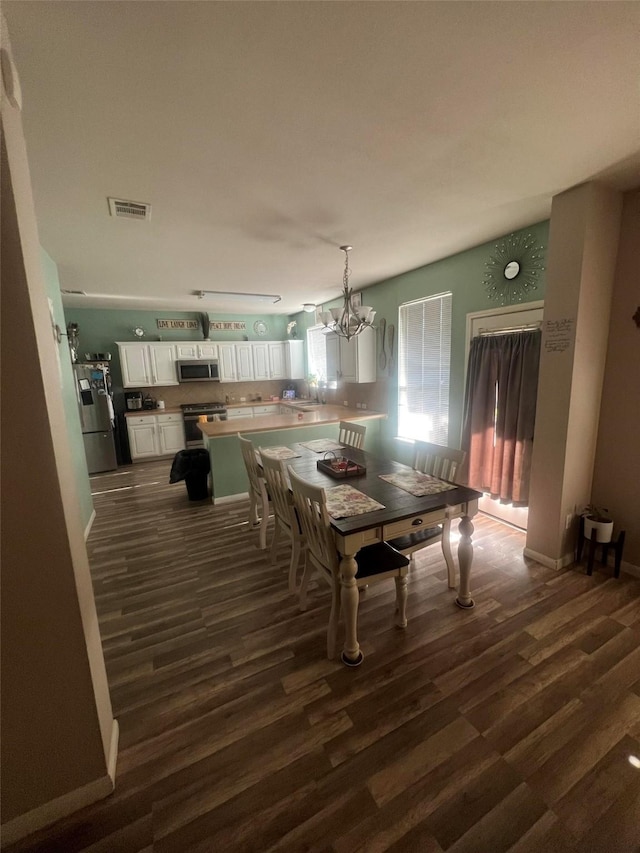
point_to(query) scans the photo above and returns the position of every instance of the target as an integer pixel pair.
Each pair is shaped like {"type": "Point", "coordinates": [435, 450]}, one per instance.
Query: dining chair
{"type": "Point", "coordinates": [441, 462]}
{"type": "Point", "coordinates": [376, 562]}
{"type": "Point", "coordinates": [285, 518]}
{"type": "Point", "coordinates": [258, 496]}
{"type": "Point", "coordinates": [352, 435]}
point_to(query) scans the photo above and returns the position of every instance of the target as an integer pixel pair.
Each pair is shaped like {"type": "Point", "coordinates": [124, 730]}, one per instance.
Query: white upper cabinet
{"type": "Point", "coordinates": [261, 361]}
{"type": "Point", "coordinates": [354, 360]}
{"type": "Point", "coordinates": [145, 365]}
{"type": "Point", "coordinates": [227, 363]}
{"type": "Point", "coordinates": [196, 351]}
{"type": "Point", "coordinates": [277, 361]}
{"type": "Point", "coordinates": [162, 358]}
{"type": "Point", "coordinates": [244, 362]}
{"type": "Point", "coordinates": [294, 359]}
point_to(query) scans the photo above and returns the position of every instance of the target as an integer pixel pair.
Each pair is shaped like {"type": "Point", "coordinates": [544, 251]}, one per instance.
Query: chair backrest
{"type": "Point", "coordinates": [256, 480]}
{"type": "Point", "coordinates": [275, 475]}
{"type": "Point", "coordinates": [352, 435]}
{"type": "Point", "coordinates": [311, 508]}
{"type": "Point", "coordinates": [442, 462]}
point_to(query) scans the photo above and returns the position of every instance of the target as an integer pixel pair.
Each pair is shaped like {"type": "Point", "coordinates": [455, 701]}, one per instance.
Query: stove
{"type": "Point", "coordinates": [192, 413]}
{"type": "Point", "coordinates": [203, 408]}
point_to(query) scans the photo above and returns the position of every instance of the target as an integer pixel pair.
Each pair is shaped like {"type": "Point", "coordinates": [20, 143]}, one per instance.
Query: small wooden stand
{"type": "Point", "coordinates": [617, 545]}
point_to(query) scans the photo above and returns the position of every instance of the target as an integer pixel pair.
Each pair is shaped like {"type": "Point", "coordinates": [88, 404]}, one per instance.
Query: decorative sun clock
{"type": "Point", "coordinates": [260, 328]}
{"type": "Point", "coordinates": [514, 269]}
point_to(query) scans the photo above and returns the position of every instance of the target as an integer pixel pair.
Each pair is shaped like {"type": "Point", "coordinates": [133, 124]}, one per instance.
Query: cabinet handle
{"type": "Point", "coordinates": [416, 522]}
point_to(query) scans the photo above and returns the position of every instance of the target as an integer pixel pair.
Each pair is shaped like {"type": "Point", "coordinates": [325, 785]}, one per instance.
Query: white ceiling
{"type": "Point", "coordinates": [265, 135]}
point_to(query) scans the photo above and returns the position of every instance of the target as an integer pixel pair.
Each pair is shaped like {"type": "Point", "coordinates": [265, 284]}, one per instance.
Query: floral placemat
{"type": "Point", "coordinates": [416, 483]}
{"type": "Point", "coordinates": [278, 452]}
{"type": "Point", "coordinates": [344, 501]}
{"type": "Point", "coordinates": [321, 444]}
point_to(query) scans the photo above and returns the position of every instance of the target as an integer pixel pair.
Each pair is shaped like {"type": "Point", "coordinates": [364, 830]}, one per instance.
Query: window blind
{"type": "Point", "coordinates": [424, 353]}
{"type": "Point", "coordinates": [317, 352]}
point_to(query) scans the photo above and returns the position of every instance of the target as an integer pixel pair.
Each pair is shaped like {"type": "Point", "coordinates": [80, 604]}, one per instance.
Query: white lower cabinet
{"type": "Point", "coordinates": [155, 435]}
{"type": "Point", "coordinates": [239, 412]}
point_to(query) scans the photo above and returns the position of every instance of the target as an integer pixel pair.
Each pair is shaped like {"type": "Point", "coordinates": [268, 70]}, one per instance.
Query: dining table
{"type": "Point", "coordinates": [402, 513]}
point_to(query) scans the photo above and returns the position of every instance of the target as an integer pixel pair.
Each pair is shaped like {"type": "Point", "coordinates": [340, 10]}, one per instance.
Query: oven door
{"type": "Point", "coordinates": [192, 434]}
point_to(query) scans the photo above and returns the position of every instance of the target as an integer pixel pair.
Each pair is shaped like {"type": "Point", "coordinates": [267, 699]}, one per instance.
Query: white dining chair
{"type": "Point", "coordinates": [352, 435]}
{"type": "Point", "coordinates": [285, 517]}
{"type": "Point", "coordinates": [377, 562]}
{"type": "Point", "coordinates": [443, 463]}
{"type": "Point", "coordinates": [258, 497]}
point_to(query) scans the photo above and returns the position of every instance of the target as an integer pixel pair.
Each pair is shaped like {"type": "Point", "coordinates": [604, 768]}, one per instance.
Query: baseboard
{"type": "Point", "coordinates": [630, 569]}
{"type": "Point", "coordinates": [87, 529]}
{"type": "Point", "coordinates": [227, 499]}
{"type": "Point", "coordinates": [550, 562]}
{"type": "Point", "coordinates": [68, 803]}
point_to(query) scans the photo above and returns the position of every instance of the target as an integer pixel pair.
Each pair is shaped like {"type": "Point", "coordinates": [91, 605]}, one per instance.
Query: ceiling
{"type": "Point", "coordinates": [265, 135]}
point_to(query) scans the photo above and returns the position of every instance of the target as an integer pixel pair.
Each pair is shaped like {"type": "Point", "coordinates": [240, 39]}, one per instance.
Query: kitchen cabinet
{"type": "Point", "coordinates": [294, 360]}
{"type": "Point", "coordinates": [227, 363]}
{"type": "Point", "coordinates": [239, 412]}
{"type": "Point", "coordinates": [354, 360]}
{"type": "Point", "coordinates": [269, 360]}
{"type": "Point", "coordinates": [196, 351]}
{"type": "Point", "coordinates": [155, 435]}
{"type": "Point", "coordinates": [277, 362]}
{"type": "Point", "coordinates": [261, 365]}
{"type": "Point", "coordinates": [265, 410]}
{"type": "Point", "coordinates": [244, 362]}
{"type": "Point", "coordinates": [147, 365]}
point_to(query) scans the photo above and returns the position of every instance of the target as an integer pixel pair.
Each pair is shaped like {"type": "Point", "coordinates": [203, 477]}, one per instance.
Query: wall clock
{"type": "Point", "coordinates": [514, 269]}
{"type": "Point", "coordinates": [260, 328]}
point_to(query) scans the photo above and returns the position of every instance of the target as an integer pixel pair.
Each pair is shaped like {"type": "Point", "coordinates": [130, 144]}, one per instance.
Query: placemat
{"type": "Point", "coordinates": [321, 444]}
{"type": "Point", "coordinates": [344, 501]}
{"type": "Point", "coordinates": [278, 452]}
{"type": "Point", "coordinates": [416, 483]}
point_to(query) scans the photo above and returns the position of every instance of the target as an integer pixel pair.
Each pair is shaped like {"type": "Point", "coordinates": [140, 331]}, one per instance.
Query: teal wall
{"type": "Point", "coordinates": [462, 275]}
{"type": "Point", "coordinates": [69, 398]}
{"type": "Point", "coordinates": [100, 328]}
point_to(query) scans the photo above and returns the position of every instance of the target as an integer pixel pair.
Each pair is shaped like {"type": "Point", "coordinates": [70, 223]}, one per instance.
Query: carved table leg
{"type": "Point", "coordinates": [351, 654]}
{"type": "Point", "coordinates": [465, 556]}
{"type": "Point", "coordinates": [401, 601]}
{"type": "Point", "coordinates": [446, 551]}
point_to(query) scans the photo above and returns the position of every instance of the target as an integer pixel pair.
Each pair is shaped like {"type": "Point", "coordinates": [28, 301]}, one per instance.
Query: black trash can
{"type": "Point", "coordinates": [193, 467]}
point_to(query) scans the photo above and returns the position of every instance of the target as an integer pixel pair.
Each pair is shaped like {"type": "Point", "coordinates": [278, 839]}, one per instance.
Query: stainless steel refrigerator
{"type": "Point", "coordinates": [96, 416]}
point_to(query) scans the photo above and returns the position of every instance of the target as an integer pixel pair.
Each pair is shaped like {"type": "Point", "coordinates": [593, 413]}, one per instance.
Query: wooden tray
{"type": "Point", "coordinates": [340, 467]}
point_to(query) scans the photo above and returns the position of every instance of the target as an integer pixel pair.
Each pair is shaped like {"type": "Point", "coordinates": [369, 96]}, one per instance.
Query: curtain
{"type": "Point", "coordinates": [500, 413]}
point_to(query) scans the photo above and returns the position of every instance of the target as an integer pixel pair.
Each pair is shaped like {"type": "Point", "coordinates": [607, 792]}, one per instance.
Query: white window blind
{"type": "Point", "coordinates": [317, 352]}
{"type": "Point", "coordinates": [424, 350]}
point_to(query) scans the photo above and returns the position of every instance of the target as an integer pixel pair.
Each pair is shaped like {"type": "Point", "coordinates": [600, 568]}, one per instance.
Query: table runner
{"type": "Point", "coordinates": [278, 452]}
{"type": "Point", "coordinates": [417, 484]}
{"type": "Point", "coordinates": [344, 501]}
{"type": "Point", "coordinates": [320, 445]}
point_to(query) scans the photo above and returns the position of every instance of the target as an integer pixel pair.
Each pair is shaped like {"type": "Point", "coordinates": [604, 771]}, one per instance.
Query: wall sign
{"type": "Point", "coordinates": [217, 325]}
{"type": "Point", "coordinates": [558, 335]}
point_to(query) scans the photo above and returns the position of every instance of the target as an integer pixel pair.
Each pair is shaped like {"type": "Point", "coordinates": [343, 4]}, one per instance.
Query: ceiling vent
{"type": "Point", "coordinates": [129, 209]}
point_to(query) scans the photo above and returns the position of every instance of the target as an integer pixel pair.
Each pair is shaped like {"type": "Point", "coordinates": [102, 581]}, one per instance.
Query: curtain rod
{"type": "Point", "coordinates": [529, 327]}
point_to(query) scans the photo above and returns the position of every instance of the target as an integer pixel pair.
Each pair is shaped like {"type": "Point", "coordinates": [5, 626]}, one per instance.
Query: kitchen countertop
{"type": "Point", "coordinates": [169, 410]}
{"type": "Point", "coordinates": [327, 414]}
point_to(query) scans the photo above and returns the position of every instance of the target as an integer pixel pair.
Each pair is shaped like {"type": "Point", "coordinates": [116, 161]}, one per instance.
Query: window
{"type": "Point", "coordinates": [317, 353]}
{"type": "Point", "coordinates": [424, 348]}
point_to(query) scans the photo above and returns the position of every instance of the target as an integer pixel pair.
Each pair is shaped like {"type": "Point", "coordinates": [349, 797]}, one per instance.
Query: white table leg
{"type": "Point", "coordinates": [351, 654]}
{"type": "Point", "coordinates": [446, 551]}
{"type": "Point", "coordinates": [465, 557]}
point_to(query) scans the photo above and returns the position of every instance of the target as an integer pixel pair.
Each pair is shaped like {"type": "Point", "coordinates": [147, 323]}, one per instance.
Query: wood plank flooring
{"type": "Point", "coordinates": [505, 728]}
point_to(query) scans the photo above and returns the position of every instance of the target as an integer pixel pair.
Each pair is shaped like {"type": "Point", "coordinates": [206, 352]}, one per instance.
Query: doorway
{"type": "Point", "coordinates": [501, 320]}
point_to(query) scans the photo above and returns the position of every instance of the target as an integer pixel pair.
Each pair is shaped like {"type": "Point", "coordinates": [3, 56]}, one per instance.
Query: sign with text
{"type": "Point", "coordinates": [558, 334]}
{"type": "Point", "coordinates": [217, 325]}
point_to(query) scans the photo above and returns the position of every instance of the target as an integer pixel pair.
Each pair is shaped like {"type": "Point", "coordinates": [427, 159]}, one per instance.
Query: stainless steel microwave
{"type": "Point", "coordinates": [198, 371]}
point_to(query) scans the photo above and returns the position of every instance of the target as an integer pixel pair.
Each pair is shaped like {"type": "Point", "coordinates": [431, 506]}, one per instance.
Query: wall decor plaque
{"type": "Point", "coordinates": [177, 324]}
{"type": "Point", "coordinates": [217, 325]}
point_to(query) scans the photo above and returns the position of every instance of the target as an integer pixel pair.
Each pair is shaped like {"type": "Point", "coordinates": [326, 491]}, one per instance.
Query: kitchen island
{"type": "Point", "coordinates": [322, 421]}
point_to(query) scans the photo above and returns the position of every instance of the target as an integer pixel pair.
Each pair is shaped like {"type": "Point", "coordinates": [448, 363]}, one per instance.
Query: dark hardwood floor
{"type": "Point", "coordinates": [508, 727]}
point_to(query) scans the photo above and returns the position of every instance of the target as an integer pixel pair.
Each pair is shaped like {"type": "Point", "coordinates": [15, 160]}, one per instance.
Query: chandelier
{"type": "Point", "coordinates": [348, 321]}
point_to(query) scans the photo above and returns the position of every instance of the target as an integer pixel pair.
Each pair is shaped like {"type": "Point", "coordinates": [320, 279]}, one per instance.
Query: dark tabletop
{"type": "Point", "coordinates": [398, 503]}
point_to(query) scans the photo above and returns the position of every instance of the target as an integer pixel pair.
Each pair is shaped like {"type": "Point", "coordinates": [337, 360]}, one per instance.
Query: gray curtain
{"type": "Point", "coordinates": [500, 413]}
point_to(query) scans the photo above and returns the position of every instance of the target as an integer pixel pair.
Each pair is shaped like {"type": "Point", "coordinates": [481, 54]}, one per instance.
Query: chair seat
{"type": "Point", "coordinates": [377, 559]}
{"type": "Point", "coordinates": [415, 540]}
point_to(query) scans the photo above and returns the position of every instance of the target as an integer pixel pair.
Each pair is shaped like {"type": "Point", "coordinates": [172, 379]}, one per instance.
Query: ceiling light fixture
{"type": "Point", "coordinates": [238, 297]}
{"type": "Point", "coordinates": [309, 307]}
{"type": "Point", "coordinates": [348, 321]}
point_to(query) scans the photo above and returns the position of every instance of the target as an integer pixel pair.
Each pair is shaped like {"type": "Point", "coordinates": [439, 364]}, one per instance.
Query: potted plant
{"type": "Point", "coordinates": [596, 518]}
{"type": "Point", "coordinates": [205, 325]}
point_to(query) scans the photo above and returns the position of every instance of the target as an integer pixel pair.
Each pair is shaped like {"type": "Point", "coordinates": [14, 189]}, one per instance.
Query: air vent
{"type": "Point", "coordinates": [73, 292]}
{"type": "Point", "coordinates": [129, 209]}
